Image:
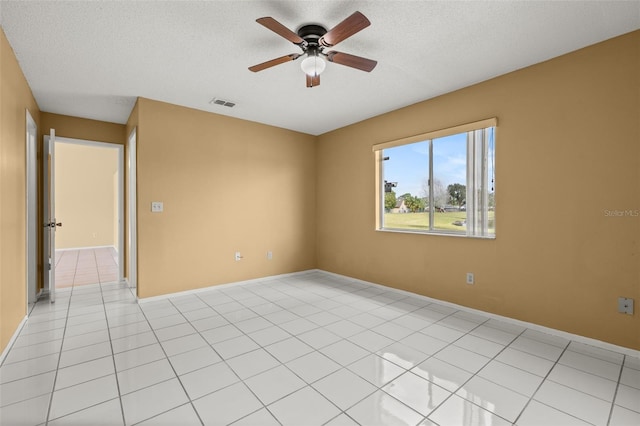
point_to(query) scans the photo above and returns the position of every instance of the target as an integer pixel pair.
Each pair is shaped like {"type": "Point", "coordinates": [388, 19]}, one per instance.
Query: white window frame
{"type": "Point", "coordinates": [477, 200]}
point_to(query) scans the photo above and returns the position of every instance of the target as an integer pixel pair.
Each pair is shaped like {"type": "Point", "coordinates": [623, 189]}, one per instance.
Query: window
{"type": "Point", "coordinates": [441, 182]}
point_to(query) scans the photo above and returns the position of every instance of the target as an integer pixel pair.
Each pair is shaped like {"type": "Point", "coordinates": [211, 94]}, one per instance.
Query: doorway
{"type": "Point", "coordinates": [88, 195]}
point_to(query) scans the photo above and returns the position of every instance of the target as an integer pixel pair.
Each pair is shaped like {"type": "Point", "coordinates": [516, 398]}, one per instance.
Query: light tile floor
{"type": "Point", "coordinates": [310, 349]}
{"type": "Point", "coordinates": [86, 266]}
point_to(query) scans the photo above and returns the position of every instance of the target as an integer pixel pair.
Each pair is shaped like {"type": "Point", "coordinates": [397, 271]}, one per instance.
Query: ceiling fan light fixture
{"type": "Point", "coordinates": [313, 65]}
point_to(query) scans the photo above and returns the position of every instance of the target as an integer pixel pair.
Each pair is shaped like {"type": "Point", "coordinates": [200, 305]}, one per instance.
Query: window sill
{"type": "Point", "coordinates": [440, 233]}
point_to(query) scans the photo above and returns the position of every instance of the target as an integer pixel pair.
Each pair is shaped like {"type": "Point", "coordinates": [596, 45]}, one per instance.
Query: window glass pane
{"type": "Point", "coordinates": [406, 172]}
{"type": "Point", "coordinates": [444, 185]}
{"type": "Point", "coordinates": [450, 183]}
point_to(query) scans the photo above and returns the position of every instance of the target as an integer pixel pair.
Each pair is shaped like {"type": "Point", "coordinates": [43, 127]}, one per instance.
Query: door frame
{"type": "Point", "coordinates": [48, 176]}
{"type": "Point", "coordinates": [121, 243]}
{"type": "Point", "coordinates": [132, 200]}
{"type": "Point", "coordinates": [31, 209]}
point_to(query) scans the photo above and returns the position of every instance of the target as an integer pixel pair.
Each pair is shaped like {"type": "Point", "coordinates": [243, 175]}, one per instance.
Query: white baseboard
{"type": "Point", "coordinates": [547, 330]}
{"type": "Point", "coordinates": [5, 352]}
{"type": "Point", "coordinates": [87, 248]}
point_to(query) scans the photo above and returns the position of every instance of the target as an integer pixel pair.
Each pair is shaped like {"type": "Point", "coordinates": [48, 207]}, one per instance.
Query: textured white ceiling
{"type": "Point", "coordinates": [92, 59]}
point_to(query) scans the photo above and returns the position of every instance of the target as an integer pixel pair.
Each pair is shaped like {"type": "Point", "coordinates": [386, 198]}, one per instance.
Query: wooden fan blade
{"type": "Point", "coordinates": [313, 81]}
{"type": "Point", "coordinates": [274, 62]}
{"type": "Point", "coordinates": [345, 29]}
{"type": "Point", "coordinates": [352, 61]}
{"type": "Point", "coordinates": [280, 29]}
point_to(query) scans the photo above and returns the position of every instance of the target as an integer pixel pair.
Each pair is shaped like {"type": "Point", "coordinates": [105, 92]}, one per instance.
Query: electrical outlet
{"type": "Point", "coordinates": [625, 305]}
{"type": "Point", "coordinates": [269, 255]}
{"type": "Point", "coordinates": [238, 256]}
{"type": "Point", "coordinates": [470, 278]}
{"type": "Point", "coordinates": [157, 206]}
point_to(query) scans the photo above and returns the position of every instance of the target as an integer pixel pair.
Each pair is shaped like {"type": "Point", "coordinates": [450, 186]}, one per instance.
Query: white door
{"type": "Point", "coordinates": [32, 210]}
{"type": "Point", "coordinates": [50, 223]}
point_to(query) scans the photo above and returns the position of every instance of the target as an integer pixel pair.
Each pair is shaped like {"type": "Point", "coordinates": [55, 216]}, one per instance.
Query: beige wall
{"type": "Point", "coordinates": [227, 185]}
{"type": "Point", "coordinates": [86, 197]}
{"type": "Point", "coordinates": [568, 148]}
{"type": "Point", "coordinates": [83, 128]}
{"type": "Point", "coordinates": [15, 99]}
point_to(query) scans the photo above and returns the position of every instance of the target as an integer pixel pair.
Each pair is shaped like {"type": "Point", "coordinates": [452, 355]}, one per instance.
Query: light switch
{"type": "Point", "coordinates": [157, 206]}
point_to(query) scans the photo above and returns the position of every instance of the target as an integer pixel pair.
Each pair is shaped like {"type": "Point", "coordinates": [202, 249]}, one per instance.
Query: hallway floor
{"type": "Point", "coordinates": [77, 267]}
{"type": "Point", "coordinates": [308, 349]}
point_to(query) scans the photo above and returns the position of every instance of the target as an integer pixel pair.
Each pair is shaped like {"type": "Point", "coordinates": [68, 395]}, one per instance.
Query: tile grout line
{"type": "Point", "coordinates": [55, 378]}
{"type": "Point", "coordinates": [586, 372]}
{"type": "Point", "coordinates": [473, 374]}
{"type": "Point", "coordinates": [83, 362]}
{"type": "Point", "coordinates": [177, 376]}
{"type": "Point", "coordinates": [494, 359]}
{"type": "Point", "coordinates": [615, 393]}
{"type": "Point", "coordinates": [75, 272]}
{"type": "Point", "coordinates": [113, 356]}
{"type": "Point", "coordinates": [546, 377]}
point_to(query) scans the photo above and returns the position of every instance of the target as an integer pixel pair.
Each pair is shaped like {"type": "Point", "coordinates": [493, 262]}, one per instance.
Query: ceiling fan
{"type": "Point", "coordinates": [314, 40]}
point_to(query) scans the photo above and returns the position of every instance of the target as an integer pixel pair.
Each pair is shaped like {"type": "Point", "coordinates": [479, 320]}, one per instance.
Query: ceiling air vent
{"type": "Point", "coordinates": [222, 102]}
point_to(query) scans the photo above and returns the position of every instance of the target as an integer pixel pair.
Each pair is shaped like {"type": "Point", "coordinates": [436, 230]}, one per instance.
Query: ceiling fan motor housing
{"type": "Point", "coordinates": [311, 34]}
